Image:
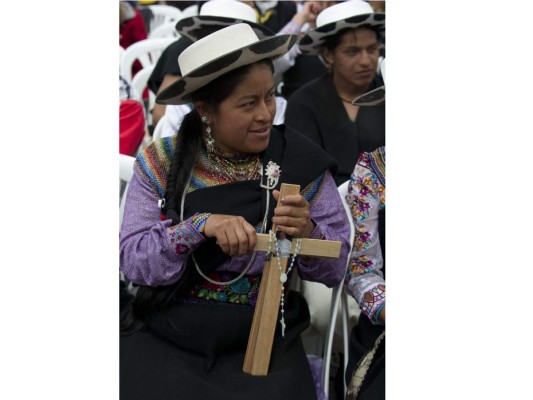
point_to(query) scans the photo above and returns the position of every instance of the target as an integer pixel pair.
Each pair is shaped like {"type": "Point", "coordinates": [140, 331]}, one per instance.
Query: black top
{"type": "Point", "coordinates": [317, 112]}
{"type": "Point", "coordinates": [168, 63]}
{"type": "Point", "coordinates": [277, 17]}
{"type": "Point", "coordinates": [306, 68]}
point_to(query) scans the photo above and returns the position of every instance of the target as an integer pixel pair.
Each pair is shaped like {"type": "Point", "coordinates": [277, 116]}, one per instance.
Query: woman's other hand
{"type": "Point", "coordinates": [293, 215]}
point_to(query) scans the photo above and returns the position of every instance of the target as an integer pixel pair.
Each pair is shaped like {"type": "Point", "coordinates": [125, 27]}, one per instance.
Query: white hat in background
{"type": "Point", "coordinates": [218, 14]}
{"type": "Point", "coordinates": [348, 14]}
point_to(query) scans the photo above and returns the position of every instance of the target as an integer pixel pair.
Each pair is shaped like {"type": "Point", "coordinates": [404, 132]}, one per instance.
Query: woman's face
{"type": "Point", "coordinates": [354, 61]}
{"type": "Point", "coordinates": [243, 120]}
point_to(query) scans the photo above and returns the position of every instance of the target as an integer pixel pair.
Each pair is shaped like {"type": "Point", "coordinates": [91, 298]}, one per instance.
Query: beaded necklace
{"type": "Point", "coordinates": [235, 167]}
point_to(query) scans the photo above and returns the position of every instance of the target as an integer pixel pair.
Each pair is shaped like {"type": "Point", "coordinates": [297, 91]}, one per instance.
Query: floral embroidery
{"type": "Point", "coordinates": [184, 237]}
{"type": "Point", "coordinates": [361, 265]}
{"type": "Point", "coordinates": [372, 299]}
{"type": "Point", "coordinates": [364, 187]}
{"type": "Point", "coordinates": [362, 238]}
{"type": "Point", "coordinates": [244, 291]}
{"type": "Point", "coordinates": [366, 196]}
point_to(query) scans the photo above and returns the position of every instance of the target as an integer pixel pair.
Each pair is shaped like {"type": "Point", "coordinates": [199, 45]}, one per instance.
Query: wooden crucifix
{"type": "Point", "coordinates": [257, 358]}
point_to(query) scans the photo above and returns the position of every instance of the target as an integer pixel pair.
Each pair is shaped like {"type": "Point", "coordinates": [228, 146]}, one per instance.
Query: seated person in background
{"type": "Point", "coordinates": [306, 67]}
{"type": "Point", "coordinates": [365, 277]}
{"type": "Point", "coordinates": [131, 119]}
{"type": "Point", "coordinates": [194, 206]}
{"type": "Point", "coordinates": [273, 14]}
{"type": "Point", "coordinates": [348, 36]}
{"type": "Point", "coordinates": [131, 29]}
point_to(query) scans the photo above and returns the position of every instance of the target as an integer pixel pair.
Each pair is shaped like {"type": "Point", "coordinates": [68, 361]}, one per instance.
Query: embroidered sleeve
{"type": "Point", "coordinates": [331, 222]}
{"type": "Point", "coordinates": [153, 252]}
{"type": "Point", "coordinates": [187, 236]}
{"type": "Point", "coordinates": [364, 278]}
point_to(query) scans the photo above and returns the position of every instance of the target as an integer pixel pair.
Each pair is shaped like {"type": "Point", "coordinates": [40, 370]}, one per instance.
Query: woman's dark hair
{"type": "Point", "coordinates": [189, 140]}
{"type": "Point", "coordinates": [333, 41]}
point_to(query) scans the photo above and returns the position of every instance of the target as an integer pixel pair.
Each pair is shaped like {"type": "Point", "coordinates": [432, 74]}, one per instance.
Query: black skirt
{"type": "Point", "coordinates": [196, 351]}
{"type": "Point", "coordinates": [362, 339]}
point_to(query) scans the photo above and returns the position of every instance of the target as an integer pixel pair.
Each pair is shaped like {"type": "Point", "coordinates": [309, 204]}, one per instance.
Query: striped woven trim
{"type": "Point", "coordinates": [312, 189]}
{"type": "Point", "coordinates": [377, 161]}
{"type": "Point", "coordinates": [198, 221]}
{"type": "Point", "coordinates": [155, 160]}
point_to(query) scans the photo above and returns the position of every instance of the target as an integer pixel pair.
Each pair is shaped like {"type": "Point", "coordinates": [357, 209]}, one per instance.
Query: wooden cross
{"type": "Point", "coordinates": [257, 358]}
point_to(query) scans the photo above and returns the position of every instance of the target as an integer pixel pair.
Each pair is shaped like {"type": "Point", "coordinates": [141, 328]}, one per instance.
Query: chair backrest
{"type": "Point", "coordinates": [190, 11]}
{"type": "Point", "coordinates": [147, 51]}
{"type": "Point", "coordinates": [125, 175]}
{"type": "Point", "coordinates": [167, 29]}
{"type": "Point", "coordinates": [121, 52]}
{"type": "Point", "coordinates": [337, 296]}
{"type": "Point", "coordinates": [162, 14]}
{"type": "Point", "coordinates": [139, 83]}
{"type": "Point", "coordinates": [170, 125]}
{"type": "Point", "coordinates": [158, 128]}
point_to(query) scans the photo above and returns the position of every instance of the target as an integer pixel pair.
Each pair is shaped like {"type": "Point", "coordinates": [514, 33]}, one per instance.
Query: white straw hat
{"type": "Point", "coordinates": [348, 14]}
{"type": "Point", "coordinates": [217, 14]}
{"type": "Point", "coordinates": [222, 51]}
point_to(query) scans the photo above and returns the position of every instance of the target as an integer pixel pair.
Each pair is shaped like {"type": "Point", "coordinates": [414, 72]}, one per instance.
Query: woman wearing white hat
{"type": "Point", "coordinates": [348, 37]}
{"type": "Point", "coordinates": [194, 205]}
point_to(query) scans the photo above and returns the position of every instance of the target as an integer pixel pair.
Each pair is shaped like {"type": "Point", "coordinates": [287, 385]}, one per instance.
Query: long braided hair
{"type": "Point", "coordinates": [188, 144]}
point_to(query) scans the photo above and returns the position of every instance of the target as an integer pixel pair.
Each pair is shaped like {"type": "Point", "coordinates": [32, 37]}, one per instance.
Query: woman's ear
{"type": "Point", "coordinates": [203, 109]}
{"type": "Point", "coordinates": [327, 56]}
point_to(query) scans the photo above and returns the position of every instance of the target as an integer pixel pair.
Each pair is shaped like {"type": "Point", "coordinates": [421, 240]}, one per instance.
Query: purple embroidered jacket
{"type": "Point", "coordinates": [153, 252]}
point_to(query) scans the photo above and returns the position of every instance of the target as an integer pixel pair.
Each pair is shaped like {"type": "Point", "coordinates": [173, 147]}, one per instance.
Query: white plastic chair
{"type": "Point", "coordinates": [163, 14]}
{"type": "Point", "coordinates": [170, 124]}
{"type": "Point", "coordinates": [158, 128]}
{"type": "Point", "coordinates": [338, 295]}
{"type": "Point", "coordinates": [121, 52]}
{"type": "Point", "coordinates": [147, 51]}
{"type": "Point", "coordinates": [190, 11]}
{"type": "Point", "coordinates": [167, 29]}
{"type": "Point", "coordinates": [125, 175]}
{"type": "Point", "coordinates": [139, 83]}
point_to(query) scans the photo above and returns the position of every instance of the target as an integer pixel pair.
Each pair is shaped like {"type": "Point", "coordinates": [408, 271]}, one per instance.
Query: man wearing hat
{"type": "Point", "coordinates": [348, 37]}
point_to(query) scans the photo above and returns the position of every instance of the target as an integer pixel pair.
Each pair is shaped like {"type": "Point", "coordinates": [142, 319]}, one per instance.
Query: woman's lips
{"type": "Point", "coordinates": [264, 131]}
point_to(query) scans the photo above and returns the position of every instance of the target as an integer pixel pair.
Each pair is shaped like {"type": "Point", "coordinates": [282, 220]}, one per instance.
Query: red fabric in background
{"type": "Point", "coordinates": [131, 31]}
{"type": "Point", "coordinates": [131, 127]}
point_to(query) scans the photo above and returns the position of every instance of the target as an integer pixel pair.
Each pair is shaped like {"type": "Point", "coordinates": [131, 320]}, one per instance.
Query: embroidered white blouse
{"type": "Point", "coordinates": [366, 196]}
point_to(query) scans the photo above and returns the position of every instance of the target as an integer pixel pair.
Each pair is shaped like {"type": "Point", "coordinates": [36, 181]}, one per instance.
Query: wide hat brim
{"type": "Point", "coordinates": [312, 42]}
{"type": "Point", "coordinates": [272, 47]}
{"type": "Point", "coordinates": [372, 98]}
{"type": "Point", "coordinates": [199, 26]}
